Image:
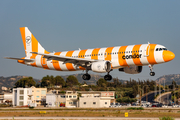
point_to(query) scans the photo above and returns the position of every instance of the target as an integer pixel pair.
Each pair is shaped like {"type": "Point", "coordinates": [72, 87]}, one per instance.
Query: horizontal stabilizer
{"type": "Point", "coordinates": [25, 60]}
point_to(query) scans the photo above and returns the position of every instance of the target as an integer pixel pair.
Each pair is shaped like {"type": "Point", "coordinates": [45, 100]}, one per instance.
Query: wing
{"type": "Point", "coordinates": [65, 59]}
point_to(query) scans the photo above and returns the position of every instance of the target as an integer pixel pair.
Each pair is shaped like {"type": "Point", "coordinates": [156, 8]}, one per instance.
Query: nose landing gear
{"type": "Point", "coordinates": [151, 69]}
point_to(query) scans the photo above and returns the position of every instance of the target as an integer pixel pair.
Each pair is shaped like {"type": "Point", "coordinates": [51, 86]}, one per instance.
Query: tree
{"type": "Point", "coordinates": [101, 82]}
{"type": "Point", "coordinates": [58, 80]}
{"type": "Point", "coordinates": [25, 82]}
{"type": "Point", "coordinates": [71, 80]}
{"type": "Point", "coordinates": [45, 81]}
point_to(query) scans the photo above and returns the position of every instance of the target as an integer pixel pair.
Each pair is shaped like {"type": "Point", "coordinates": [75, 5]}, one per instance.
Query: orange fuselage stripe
{"type": "Point", "coordinates": [122, 62]}
{"type": "Point", "coordinates": [136, 61]}
{"type": "Point", "coordinates": [94, 54]}
{"type": "Point", "coordinates": [56, 62]}
{"type": "Point", "coordinates": [108, 53]}
{"type": "Point", "coordinates": [69, 65]}
{"type": "Point", "coordinates": [82, 55]}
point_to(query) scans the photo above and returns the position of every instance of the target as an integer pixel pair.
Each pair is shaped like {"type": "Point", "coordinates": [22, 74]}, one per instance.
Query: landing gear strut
{"type": "Point", "coordinates": [151, 69]}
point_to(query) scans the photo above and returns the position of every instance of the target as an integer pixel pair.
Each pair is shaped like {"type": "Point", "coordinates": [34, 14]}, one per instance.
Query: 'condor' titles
{"type": "Point", "coordinates": [131, 56]}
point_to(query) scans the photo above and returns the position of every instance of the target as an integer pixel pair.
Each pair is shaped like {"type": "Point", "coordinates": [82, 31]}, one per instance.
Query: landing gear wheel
{"type": "Point", "coordinates": [108, 77]}
{"type": "Point", "coordinates": [152, 73]}
{"type": "Point", "coordinates": [86, 77]}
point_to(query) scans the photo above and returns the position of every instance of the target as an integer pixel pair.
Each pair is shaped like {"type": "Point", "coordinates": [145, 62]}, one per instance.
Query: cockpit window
{"type": "Point", "coordinates": [160, 49]}
{"type": "Point", "coordinates": [164, 48]}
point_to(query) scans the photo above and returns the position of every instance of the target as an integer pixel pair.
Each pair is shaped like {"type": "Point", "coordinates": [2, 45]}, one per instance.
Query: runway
{"type": "Point", "coordinates": [78, 118]}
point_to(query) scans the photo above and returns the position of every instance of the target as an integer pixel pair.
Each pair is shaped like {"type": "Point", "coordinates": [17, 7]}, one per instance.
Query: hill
{"type": "Point", "coordinates": [168, 79]}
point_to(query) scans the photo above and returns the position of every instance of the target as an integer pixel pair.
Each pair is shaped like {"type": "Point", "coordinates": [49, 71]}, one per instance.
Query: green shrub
{"type": "Point", "coordinates": [135, 108]}
{"type": "Point", "coordinates": [167, 118]}
{"type": "Point", "coordinates": [31, 107]}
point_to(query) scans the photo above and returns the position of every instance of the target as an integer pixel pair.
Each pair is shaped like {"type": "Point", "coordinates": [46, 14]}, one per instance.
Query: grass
{"type": "Point", "coordinates": [135, 108]}
{"type": "Point", "coordinates": [90, 112]}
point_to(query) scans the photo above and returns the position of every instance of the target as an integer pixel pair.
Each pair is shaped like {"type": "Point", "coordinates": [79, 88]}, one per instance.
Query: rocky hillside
{"type": "Point", "coordinates": [169, 78]}
{"type": "Point", "coordinates": [10, 81]}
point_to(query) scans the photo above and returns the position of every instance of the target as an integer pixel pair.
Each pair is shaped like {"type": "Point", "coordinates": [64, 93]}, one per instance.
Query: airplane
{"type": "Point", "coordinates": [129, 59]}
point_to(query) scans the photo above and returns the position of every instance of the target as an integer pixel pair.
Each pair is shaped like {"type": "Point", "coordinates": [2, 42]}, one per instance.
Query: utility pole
{"type": "Point", "coordinates": [140, 97]}
{"type": "Point", "coordinates": [164, 85]}
{"type": "Point", "coordinates": [174, 93]}
{"type": "Point", "coordinates": [167, 95]}
{"type": "Point", "coordinates": [156, 89]}
{"type": "Point", "coordinates": [146, 95]}
{"type": "Point", "coordinates": [159, 91]}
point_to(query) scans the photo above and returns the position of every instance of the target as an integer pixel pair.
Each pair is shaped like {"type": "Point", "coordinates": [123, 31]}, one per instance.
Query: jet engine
{"type": "Point", "coordinates": [101, 67]}
{"type": "Point", "coordinates": [131, 69]}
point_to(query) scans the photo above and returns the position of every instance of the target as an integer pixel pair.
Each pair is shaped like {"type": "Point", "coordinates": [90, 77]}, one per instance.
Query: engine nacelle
{"type": "Point", "coordinates": [101, 67]}
{"type": "Point", "coordinates": [131, 69]}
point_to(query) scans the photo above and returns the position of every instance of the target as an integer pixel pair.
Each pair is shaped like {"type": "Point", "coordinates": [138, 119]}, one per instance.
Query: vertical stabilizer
{"type": "Point", "coordinates": [30, 42]}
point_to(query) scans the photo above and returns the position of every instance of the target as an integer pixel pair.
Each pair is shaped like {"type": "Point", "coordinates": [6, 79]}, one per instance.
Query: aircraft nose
{"type": "Point", "coordinates": [168, 56]}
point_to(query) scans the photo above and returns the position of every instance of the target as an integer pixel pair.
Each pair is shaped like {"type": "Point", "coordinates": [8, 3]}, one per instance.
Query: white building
{"type": "Point", "coordinates": [95, 99]}
{"type": "Point", "coordinates": [6, 98]}
{"type": "Point", "coordinates": [56, 99]}
{"type": "Point", "coordinates": [21, 96]}
{"type": "Point", "coordinates": [28, 96]}
{"type": "Point", "coordinates": [51, 99]}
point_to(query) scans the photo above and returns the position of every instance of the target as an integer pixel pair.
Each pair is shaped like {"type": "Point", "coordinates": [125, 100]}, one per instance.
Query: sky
{"type": "Point", "coordinates": [62, 25]}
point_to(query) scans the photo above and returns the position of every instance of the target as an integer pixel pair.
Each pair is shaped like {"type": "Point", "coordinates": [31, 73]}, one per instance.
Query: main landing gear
{"type": "Point", "coordinates": [108, 77]}
{"type": "Point", "coordinates": [151, 69]}
{"type": "Point", "coordinates": [88, 77]}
